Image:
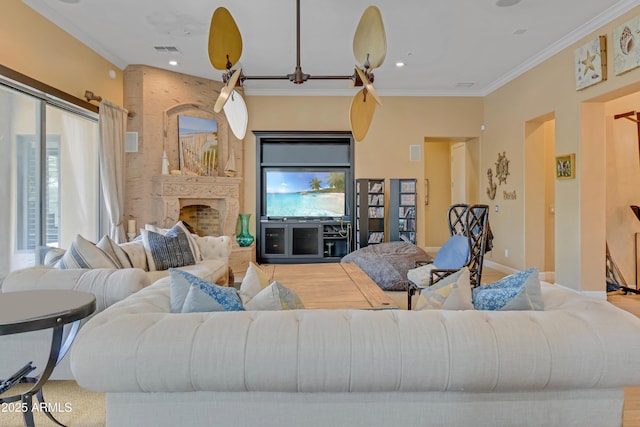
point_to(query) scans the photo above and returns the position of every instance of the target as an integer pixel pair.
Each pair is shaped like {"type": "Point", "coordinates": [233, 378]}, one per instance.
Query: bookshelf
{"type": "Point", "coordinates": [369, 212]}
{"type": "Point", "coordinates": [402, 210]}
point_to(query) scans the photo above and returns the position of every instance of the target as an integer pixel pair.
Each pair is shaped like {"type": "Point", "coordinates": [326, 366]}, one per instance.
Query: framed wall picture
{"type": "Point", "coordinates": [626, 52]}
{"type": "Point", "coordinates": [198, 144]}
{"type": "Point", "coordinates": [591, 63]}
{"type": "Point", "coordinates": [566, 166]}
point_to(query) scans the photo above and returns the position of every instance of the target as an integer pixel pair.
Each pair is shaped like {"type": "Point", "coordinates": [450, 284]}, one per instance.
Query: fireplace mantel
{"type": "Point", "coordinates": [172, 192]}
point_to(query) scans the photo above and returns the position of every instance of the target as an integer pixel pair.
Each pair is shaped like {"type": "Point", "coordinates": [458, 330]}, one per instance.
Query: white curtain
{"type": "Point", "coordinates": [112, 124]}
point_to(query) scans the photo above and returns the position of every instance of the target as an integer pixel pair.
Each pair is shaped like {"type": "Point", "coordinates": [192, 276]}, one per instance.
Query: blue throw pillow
{"type": "Point", "coordinates": [520, 291]}
{"type": "Point", "coordinates": [454, 254]}
{"type": "Point", "coordinates": [202, 295]}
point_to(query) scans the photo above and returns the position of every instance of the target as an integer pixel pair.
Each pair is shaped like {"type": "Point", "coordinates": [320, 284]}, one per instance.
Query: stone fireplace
{"type": "Point", "coordinates": [214, 201]}
{"type": "Point", "coordinates": [204, 220]}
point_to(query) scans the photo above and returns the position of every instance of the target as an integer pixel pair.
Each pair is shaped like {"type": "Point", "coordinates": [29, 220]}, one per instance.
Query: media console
{"type": "Point", "coordinates": [304, 196]}
{"type": "Point", "coordinates": [302, 241]}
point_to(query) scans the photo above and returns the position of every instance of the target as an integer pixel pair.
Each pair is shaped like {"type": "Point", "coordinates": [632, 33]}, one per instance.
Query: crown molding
{"type": "Point", "coordinates": [574, 36]}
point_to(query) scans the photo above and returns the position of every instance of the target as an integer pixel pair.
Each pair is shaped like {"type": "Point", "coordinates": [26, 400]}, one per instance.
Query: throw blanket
{"type": "Point", "coordinates": [387, 263]}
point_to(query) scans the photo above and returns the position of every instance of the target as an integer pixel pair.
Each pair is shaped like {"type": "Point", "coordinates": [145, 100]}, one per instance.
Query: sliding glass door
{"type": "Point", "coordinates": [49, 174]}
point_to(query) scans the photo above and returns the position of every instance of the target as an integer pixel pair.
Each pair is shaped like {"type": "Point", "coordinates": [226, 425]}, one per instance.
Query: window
{"type": "Point", "coordinates": [50, 172]}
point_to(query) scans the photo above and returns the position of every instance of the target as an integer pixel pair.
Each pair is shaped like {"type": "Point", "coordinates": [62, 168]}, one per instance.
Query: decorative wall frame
{"type": "Point", "coordinates": [591, 63]}
{"type": "Point", "coordinates": [626, 49]}
{"type": "Point", "coordinates": [566, 166]}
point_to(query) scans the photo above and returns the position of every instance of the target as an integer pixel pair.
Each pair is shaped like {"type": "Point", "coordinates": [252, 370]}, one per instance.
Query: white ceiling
{"type": "Point", "coordinates": [450, 47]}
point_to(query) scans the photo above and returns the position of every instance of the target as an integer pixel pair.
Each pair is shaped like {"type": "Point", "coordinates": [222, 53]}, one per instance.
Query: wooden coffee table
{"type": "Point", "coordinates": [331, 286]}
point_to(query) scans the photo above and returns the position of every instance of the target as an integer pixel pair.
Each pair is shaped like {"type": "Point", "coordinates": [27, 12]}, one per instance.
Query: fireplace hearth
{"type": "Point", "coordinates": [217, 197]}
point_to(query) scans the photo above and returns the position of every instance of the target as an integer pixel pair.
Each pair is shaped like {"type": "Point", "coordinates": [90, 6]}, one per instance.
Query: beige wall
{"type": "Point", "coordinates": [384, 153]}
{"type": "Point", "coordinates": [579, 203]}
{"type": "Point", "coordinates": [34, 46]}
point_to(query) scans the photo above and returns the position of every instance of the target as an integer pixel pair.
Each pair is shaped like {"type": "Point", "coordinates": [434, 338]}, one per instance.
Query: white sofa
{"type": "Point", "coordinates": [565, 366]}
{"type": "Point", "coordinates": [108, 285]}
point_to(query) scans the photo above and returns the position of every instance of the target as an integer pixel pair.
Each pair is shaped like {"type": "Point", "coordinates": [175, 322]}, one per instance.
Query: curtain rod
{"type": "Point", "coordinates": [92, 97]}
{"type": "Point", "coordinates": [45, 88]}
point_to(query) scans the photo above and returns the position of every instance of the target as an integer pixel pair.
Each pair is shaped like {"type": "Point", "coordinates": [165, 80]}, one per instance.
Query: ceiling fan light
{"type": "Point", "coordinates": [237, 116]}
{"type": "Point", "coordinates": [222, 99]}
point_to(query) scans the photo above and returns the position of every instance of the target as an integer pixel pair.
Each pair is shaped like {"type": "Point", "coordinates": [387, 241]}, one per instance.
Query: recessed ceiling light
{"type": "Point", "coordinates": [174, 63]}
{"type": "Point", "coordinates": [507, 3]}
{"type": "Point", "coordinates": [400, 64]}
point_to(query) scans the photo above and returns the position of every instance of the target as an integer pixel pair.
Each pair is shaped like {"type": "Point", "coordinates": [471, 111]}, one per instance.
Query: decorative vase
{"type": "Point", "coordinates": [244, 238]}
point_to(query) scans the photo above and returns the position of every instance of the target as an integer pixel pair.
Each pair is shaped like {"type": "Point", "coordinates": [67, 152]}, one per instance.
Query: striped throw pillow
{"type": "Point", "coordinates": [85, 254]}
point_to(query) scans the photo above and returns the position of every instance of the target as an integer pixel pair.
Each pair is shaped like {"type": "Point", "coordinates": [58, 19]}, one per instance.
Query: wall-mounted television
{"type": "Point", "coordinates": [304, 193]}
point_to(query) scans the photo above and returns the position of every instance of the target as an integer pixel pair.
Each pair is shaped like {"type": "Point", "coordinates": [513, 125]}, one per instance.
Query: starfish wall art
{"type": "Point", "coordinates": [591, 63]}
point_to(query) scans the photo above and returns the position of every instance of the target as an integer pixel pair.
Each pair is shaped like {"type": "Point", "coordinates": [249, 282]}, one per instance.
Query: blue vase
{"type": "Point", "coordinates": [244, 238]}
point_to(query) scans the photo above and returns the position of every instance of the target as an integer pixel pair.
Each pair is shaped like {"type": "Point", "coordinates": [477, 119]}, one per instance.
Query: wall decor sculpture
{"type": "Point", "coordinates": [626, 49]}
{"type": "Point", "coordinates": [591, 63]}
{"type": "Point", "coordinates": [502, 168]}
{"type": "Point", "coordinates": [491, 190]}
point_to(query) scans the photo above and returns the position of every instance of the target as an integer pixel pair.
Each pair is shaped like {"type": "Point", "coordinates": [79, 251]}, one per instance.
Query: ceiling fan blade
{"type": "Point", "coordinates": [370, 40]}
{"type": "Point", "coordinates": [226, 91]}
{"type": "Point", "coordinates": [368, 85]}
{"type": "Point", "coordinates": [361, 114]}
{"type": "Point", "coordinates": [237, 116]}
{"type": "Point", "coordinates": [225, 41]}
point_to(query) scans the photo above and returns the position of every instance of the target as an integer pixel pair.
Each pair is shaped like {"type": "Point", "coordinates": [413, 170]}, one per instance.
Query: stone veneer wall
{"type": "Point", "coordinates": [150, 92]}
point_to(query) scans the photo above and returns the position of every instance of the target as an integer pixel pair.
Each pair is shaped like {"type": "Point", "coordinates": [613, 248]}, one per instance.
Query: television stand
{"type": "Point", "coordinates": [300, 241]}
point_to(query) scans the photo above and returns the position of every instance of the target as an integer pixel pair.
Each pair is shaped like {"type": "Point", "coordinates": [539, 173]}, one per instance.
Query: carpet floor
{"type": "Point", "coordinates": [69, 404]}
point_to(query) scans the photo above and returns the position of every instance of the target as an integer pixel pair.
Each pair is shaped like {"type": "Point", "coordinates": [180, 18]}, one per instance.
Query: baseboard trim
{"type": "Point", "coordinates": [499, 267]}
{"type": "Point", "coordinates": [593, 294]}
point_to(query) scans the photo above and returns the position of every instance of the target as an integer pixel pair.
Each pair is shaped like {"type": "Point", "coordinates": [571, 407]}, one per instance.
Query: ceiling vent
{"type": "Point", "coordinates": [167, 49]}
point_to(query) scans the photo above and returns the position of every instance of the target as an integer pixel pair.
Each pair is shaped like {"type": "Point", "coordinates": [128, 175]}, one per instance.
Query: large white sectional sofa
{"type": "Point", "coordinates": [109, 285]}
{"type": "Point", "coordinates": [564, 366]}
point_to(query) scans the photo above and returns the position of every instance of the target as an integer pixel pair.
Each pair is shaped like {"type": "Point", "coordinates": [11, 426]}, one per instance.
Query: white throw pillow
{"type": "Point", "coordinates": [136, 253]}
{"type": "Point", "coordinates": [254, 281]}
{"type": "Point", "coordinates": [275, 297]}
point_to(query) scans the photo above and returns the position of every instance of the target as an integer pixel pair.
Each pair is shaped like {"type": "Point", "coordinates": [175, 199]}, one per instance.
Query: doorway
{"type": "Point", "coordinates": [451, 176]}
{"type": "Point", "coordinates": [540, 193]}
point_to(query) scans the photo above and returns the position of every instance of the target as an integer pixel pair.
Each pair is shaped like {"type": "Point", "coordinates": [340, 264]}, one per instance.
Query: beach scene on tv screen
{"type": "Point", "coordinates": [305, 194]}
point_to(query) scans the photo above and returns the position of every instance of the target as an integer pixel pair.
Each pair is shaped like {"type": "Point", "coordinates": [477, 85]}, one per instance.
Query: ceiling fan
{"type": "Point", "coordinates": [369, 49]}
